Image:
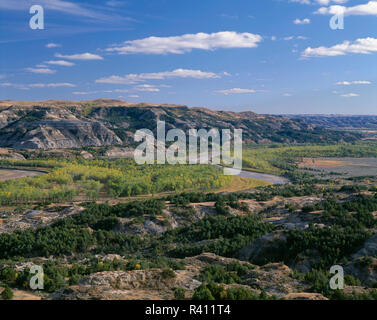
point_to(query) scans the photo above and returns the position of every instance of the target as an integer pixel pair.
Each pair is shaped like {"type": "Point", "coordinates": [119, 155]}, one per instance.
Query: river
{"type": "Point", "coordinates": [8, 174]}
{"type": "Point", "coordinates": [261, 176]}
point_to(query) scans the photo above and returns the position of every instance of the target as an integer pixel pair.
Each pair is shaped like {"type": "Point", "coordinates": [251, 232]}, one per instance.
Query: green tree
{"type": "Point", "coordinates": [7, 293]}
{"type": "Point", "coordinates": [179, 293]}
{"type": "Point", "coordinates": [9, 274]}
{"type": "Point", "coordinates": [168, 273]}
{"type": "Point", "coordinates": [202, 293]}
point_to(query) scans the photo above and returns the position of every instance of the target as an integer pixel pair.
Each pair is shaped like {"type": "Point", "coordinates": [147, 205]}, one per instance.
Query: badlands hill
{"type": "Point", "coordinates": [74, 124]}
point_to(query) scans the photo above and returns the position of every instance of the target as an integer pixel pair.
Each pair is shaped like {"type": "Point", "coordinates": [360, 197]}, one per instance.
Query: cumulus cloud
{"type": "Point", "coordinates": [237, 91]}
{"type": "Point", "coordinates": [51, 85]}
{"type": "Point", "coordinates": [303, 21]}
{"type": "Point", "coordinates": [360, 46]}
{"type": "Point", "coordinates": [369, 8]}
{"type": "Point", "coordinates": [188, 42]}
{"type": "Point", "coordinates": [60, 63]}
{"type": "Point", "coordinates": [83, 92]}
{"type": "Point", "coordinates": [52, 45]}
{"type": "Point", "coordinates": [348, 83]}
{"type": "Point", "coordinates": [80, 56]}
{"type": "Point", "coordinates": [37, 85]}
{"type": "Point", "coordinates": [41, 70]}
{"type": "Point", "coordinates": [178, 73]}
{"type": "Point", "coordinates": [350, 95]}
{"type": "Point", "coordinates": [147, 88]}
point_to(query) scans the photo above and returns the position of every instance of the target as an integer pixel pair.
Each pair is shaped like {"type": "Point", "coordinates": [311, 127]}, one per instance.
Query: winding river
{"type": "Point", "coordinates": [8, 174]}
{"type": "Point", "coordinates": [261, 176]}
{"type": "Point", "coordinates": [256, 175]}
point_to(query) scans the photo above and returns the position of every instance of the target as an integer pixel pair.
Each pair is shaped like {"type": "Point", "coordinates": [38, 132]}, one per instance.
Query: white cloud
{"type": "Point", "coordinates": [134, 96]}
{"type": "Point", "coordinates": [350, 95]}
{"type": "Point", "coordinates": [51, 85]}
{"type": "Point", "coordinates": [147, 88]}
{"type": "Point", "coordinates": [62, 6]}
{"type": "Point", "coordinates": [320, 2]}
{"type": "Point", "coordinates": [289, 38]}
{"type": "Point", "coordinates": [37, 85]}
{"type": "Point", "coordinates": [80, 56]}
{"type": "Point", "coordinates": [287, 95]}
{"type": "Point", "coordinates": [52, 45]}
{"type": "Point", "coordinates": [121, 90]}
{"type": "Point", "coordinates": [369, 8]}
{"type": "Point", "coordinates": [60, 63]}
{"type": "Point", "coordinates": [83, 92]}
{"type": "Point", "coordinates": [301, 1]}
{"type": "Point", "coordinates": [360, 46]}
{"type": "Point", "coordinates": [41, 70]}
{"type": "Point", "coordinates": [188, 42]}
{"type": "Point", "coordinates": [348, 83]}
{"type": "Point", "coordinates": [237, 91]}
{"type": "Point", "coordinates": [14, 85]}
{"type": "Point", "coordinates": [178, 73]}
{"type": "Point", "coordinates": [327, 2]}
{"type": "Point", "coordinates": [303, 21]}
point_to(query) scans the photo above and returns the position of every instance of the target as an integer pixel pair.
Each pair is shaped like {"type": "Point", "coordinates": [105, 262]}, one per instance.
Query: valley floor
{"type": "Point", "coordinates": [101, 232]}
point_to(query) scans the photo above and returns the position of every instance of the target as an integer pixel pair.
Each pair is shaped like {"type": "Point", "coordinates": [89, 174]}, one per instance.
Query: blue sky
{"type": "Point", "coordinates": [270, 56]}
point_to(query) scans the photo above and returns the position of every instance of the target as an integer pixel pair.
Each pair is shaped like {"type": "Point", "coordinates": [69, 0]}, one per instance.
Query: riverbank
{"type": "Point", "coordinates": [9, 174]}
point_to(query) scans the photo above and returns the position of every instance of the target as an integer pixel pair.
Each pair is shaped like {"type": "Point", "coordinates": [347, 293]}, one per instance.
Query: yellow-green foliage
{"type": "Point", "coordinates": [109, 178]}
{"type": "Point", "coordinates": [87, 109]}
{"type": "Point", "coordinates": [260, 159]}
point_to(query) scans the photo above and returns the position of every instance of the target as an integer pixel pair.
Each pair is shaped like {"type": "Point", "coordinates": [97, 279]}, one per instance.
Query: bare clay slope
{"type": "Point", "coordinates": [75, 124]}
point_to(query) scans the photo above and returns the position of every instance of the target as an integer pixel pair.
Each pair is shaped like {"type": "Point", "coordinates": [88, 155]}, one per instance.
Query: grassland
{"type": "Point", "coordinates": [240, 184]}
{"type": "Point", "coordinates": [340, 167]}
{"type": "Point", "coordinates": [278, 159]}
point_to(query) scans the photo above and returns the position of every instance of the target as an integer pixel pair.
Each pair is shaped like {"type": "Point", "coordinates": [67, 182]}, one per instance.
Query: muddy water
{"type": "Point", "coordinates": [262, 176]}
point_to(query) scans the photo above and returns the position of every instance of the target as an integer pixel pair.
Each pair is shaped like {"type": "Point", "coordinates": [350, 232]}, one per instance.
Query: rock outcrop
{"type": "Point", "coordinates": [104, 122]}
